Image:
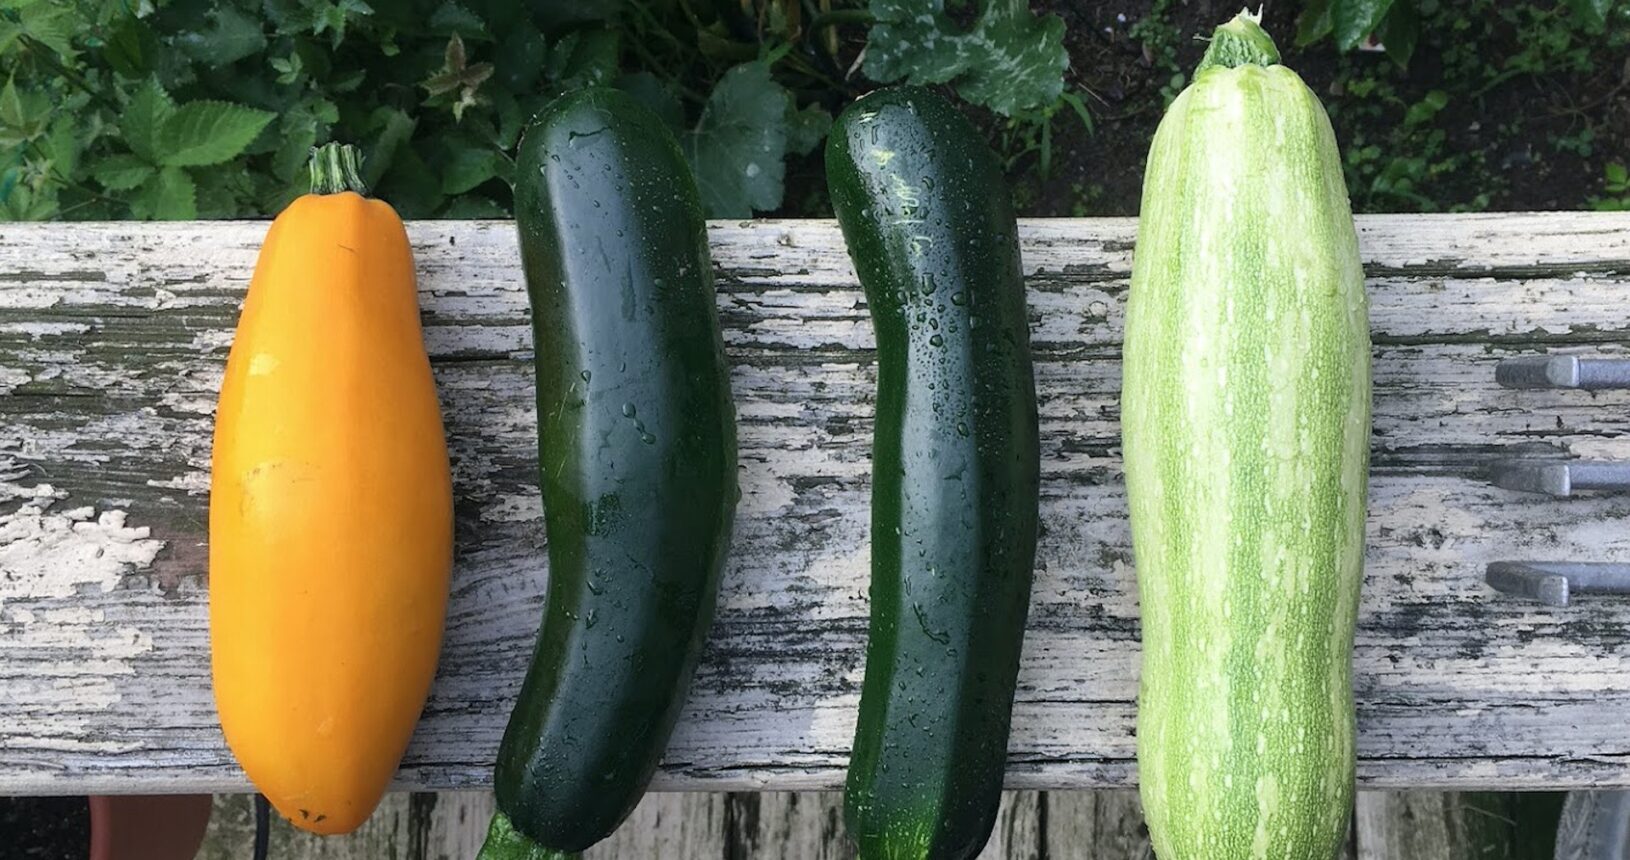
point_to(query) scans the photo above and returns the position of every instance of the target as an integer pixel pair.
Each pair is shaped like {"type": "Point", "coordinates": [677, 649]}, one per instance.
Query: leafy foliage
{"type": "Point", "coordinates": [1010, 61]}
{"type": "Point", "coordinates": [1442, 148]}
{"type": "Point", "coordinates": [208, 108]}
{"type": "Point", "coordinates": [1396, 23]}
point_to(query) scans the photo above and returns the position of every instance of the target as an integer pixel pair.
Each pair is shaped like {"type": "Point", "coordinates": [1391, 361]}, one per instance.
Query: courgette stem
{"type": "Point", "coordinates": [337, 167]}
{"type": "Point", "coordinates": [504, 842]}
{"type": "Point", "coordinates": [1240, 42]}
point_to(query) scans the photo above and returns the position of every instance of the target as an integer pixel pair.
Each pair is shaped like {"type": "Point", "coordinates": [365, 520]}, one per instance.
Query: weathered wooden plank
{"type": "Point", "coordinates": [806, 825]}
{"type": "Point", "coordinates": [1095, 825]}
{"type": "Point", "coordinates": [111, 343]}
{"type": "Point", "coordinates": [388, 834]}
{"type": "Point", "coordinates": [1456, 825]}
{"type": "Point", "coordinates": [452, 826]}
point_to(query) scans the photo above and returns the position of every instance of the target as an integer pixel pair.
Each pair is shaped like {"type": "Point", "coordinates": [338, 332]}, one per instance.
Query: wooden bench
{"type": "Point", "coordinates": [112, 338]}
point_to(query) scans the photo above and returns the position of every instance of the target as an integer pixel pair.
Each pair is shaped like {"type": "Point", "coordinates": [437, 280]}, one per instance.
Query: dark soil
{"type": "Point", "coordinates": [44, 828]}
{"type": "Point", "coordinates": [1506, 140]}
{"type": "Point", "coordinates": [1509, 130]}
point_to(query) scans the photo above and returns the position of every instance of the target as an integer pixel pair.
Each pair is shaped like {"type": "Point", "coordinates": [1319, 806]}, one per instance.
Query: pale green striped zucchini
{"type": "Point", "coordinates": [1246, 412]}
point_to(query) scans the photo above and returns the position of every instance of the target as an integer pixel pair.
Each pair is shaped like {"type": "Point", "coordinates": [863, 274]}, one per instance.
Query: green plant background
{"type": "Point", "coordinates": [178, 109]}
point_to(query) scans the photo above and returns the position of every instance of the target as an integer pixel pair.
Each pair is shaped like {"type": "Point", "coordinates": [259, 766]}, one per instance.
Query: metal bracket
{"type": "Point", "coordinates": [1553, 582]}
{"type": "Point", "coordinates": [1563, 371]}
{"type": "Point", "coordinates": [1561, 479]}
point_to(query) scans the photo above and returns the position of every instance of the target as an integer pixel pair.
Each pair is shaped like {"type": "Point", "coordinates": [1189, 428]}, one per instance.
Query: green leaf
{"type": "Point", "coordinates": [1010, 61]}
{"type": "Point", "coordinates": [23, 203]}
{"type": "Point", "coordinates": [650, 91]}
{"type": "Point", "coordinates": [168, 196]}
{"type": "Point", "coordinates": [1592, 12]}
{"type": "Point", "coordinates": [391, 128]}
{"type": "Point", "coordinates": [223, 191]}
{"type": "Point", "coordinates": [144, 119]}
{"type": "Point", "coordinates": [411, 186]}
{"type": "Point", "coordinates": [1616, 174]}
{"type": "Point", "coordinates": [806, 128]}
{"type": "Point", "coordinates": [23, 114]}
{"type": "Point", "coordinates": [1356, 19]}
{"type": "Point", "coordinates": [458, 81]}
{"type": "Point", "coordinates": [336, 17]}
{"type": "Point", "coordinates": [519, 58]}
{"type": "Point", "coordinates": [739, 143]}
{"type": "Point", "coordinates": [208, 132]}
{"type": "Point", "coordinates": [584, 58]}
{"type": "Point", "coordinates": [1400, 32]}
{"type": "Point", "coordinates": [47, 23]}
{"type": "Point", "coordinates": [468, 168]}
{"type": "Point", "coordinates": [121, 172]}
{"type": "Point", "coordinates": [1428, 107]}
{"type": "Point", "coordinates": [450, 18]}
{"type": "Point", "coordinates": [63, 145]}
{"type": "Point", "coordinates": [1315, 22]}
{"type": "Point", "coordinates": [229, 36]}
{"type": "Point", "coordinates": [132, 50]}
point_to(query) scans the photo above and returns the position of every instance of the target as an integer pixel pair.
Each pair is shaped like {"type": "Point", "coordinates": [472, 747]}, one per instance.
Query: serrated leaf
{"type": "Point", "coordinates": [806, 128]}
{"type": "Point", "coordinates": [1593, 12]}
{"type": "Point", "coordinates": [22, 203]}
{"type": "Point", "coordinates": [739, 143]}
{"type": "Point", "coordinates": [391, 128]}
{"type": "Point", "coordinates": [229, 36]}
{"type": "Point", "coordinates": [63, 146]}
{"type": "Point", "coordinates": [121, 172]}
{"type": "Point", "coordinates": [169, 195]}
{"type": "Point", "coordinates": [208, 132]}
{"type": "Point", "coordinates": [1353, 20]}
{"type": "Point", "coordinates": [450, 18]}
{"type": "Point", "coordinates": [144, 118]}
{"type": "Point", "coordinates": [24, 114]}
{"type": "Point", "coordinates": [51, 25]}
{"type": "Point", "coordinates": [1010, 61]}
{"type": "Point", "coordinates": [468, 168]}
{"type": "Point", "coordinates": [336, 16]}
{"type": "Point", "coordinates": [11, 105]}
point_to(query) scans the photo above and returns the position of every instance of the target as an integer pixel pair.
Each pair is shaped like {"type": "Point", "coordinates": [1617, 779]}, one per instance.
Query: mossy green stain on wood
{"type": "Point", "coordinates": [1246, 433]}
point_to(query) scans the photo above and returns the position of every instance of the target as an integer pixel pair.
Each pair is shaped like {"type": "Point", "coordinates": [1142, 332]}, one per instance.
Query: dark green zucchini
{"type": "Point", "coordinates": [637, 455]}
{"type": "Point", "coordinates": [930, 227]}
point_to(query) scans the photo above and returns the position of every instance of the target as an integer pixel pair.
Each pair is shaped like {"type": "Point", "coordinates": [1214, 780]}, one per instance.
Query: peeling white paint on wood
{"type": "Point", "coordinates": [112, 339]}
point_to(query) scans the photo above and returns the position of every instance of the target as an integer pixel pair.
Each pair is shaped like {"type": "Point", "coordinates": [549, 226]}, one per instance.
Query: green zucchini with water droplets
{"type": "Point", "coordinates": [1246, 415]}
{"type": "Point", "coordinates": [928, 222]}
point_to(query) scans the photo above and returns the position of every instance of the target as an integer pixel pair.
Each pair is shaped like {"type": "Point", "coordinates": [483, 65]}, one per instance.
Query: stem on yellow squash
{"type": "Point", "coordinates": [337, 167]}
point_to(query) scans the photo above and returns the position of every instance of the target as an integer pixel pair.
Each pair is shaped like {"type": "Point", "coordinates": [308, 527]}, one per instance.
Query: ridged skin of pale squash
{"type": "Point", "coordinates": [1246, 411]}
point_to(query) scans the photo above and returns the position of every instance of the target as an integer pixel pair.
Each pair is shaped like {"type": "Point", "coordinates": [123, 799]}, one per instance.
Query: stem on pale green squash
{"type": "Point", "coordinates": [504, 842]}
{"type": "Point", "coordinates": [1240, 42]}
{"type": "Point", "coordinates": [337, 167]}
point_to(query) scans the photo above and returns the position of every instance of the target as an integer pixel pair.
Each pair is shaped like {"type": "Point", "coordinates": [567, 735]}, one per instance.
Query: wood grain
{"type": "Point", "coordinates": [112, 338]}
